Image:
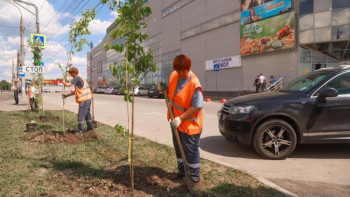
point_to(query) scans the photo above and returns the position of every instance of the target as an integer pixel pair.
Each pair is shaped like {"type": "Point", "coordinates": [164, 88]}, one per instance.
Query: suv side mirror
{"type": "Point", "coordinates": [329, 92]}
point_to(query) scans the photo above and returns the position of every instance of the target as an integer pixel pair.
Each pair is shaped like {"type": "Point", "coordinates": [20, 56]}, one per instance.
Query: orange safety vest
{"type": "Point", "coordinates": [30, 92]}
{"type": "Point", "coordinates": [84, 93]}
{"type": "Point", "coordinates": [182, 101]}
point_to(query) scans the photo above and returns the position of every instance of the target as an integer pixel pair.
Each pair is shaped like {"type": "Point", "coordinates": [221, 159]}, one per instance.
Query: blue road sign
{"type": "Point", "coordinates": [42, 64]}
{"type": "Point", "coordinates": [216, 67]}
{"type": "Point", "coordinates": [21, 75]}
{"type": "Point", "coordinates": [38, 40]}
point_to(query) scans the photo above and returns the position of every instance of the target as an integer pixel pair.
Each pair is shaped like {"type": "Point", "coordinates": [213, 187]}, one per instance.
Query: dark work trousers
{"type": "Point", "coordinates": [84, 115]}
{"type": "Point", "coordinates": [33, 104]}
{"type": "Point", "coordinates": [15, 95]}
{"type": "Point", "coordinates": [190, 144]}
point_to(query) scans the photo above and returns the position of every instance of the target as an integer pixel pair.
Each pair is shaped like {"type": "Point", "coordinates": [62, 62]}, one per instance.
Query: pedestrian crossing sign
{"type": "Point", "coordinates": [38, 40]}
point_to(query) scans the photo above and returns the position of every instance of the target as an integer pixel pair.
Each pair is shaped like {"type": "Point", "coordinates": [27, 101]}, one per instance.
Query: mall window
{"type": "Point", "coordinates": [306, 22]}
{"type": "Point", "coordinates": [322, 5]}
{"type": "Point", "coordinates": [340, 33]}
{"type": "Point", "coordinates": [341, 17]}
{"type": "Point", "coordinates": [323, 34]}
{"type": "Point", "coordinates": [210, 25]}
{"type": "Point", "coordinates": [306, 7]}
{"type": "Point", "coordinates": [175, 6]}
{"type": "Point", "coordinates": [340, 4]}
{"type": "Point", "coordinates": [323, 19]}
{"type": "Point", "coordinates": [306, 37]}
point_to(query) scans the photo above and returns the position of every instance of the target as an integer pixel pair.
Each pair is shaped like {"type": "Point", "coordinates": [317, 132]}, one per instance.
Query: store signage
{"type": "Point", "coordinates": [255, 10]}
{"type": "Point", "coordinates": [269, 35]}
{"type": "Point", "coordinates": [223, 63]}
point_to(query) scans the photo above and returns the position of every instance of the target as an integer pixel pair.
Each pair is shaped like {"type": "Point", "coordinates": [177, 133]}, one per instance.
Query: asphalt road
{"type": "Point", "coordinates": [312, 170]}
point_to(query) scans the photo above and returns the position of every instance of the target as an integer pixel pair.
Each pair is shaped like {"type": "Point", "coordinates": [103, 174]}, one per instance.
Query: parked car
{"type": "Point", "coordinates": [101, 90]}
{"type": "Point", "coordinates": [139, 91]}
{"type": "Point", "coordinates": [155, 92]}
{"type": "Point", "coordinates": [111, 90]}
{"type": "Point", "coordinates": [117, 91]}
{"type": "Point", "coordinates": [314, 108]}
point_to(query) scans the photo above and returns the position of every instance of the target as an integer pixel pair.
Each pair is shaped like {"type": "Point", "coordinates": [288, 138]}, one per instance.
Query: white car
{"type": "Point", "coordinates": [142, 91]}
{"type": "Point", "coordinates": [101, 90]}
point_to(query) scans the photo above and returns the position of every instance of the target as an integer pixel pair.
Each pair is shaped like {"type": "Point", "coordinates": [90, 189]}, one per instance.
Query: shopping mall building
{"type": "Point", "coordinates": [230, 42]}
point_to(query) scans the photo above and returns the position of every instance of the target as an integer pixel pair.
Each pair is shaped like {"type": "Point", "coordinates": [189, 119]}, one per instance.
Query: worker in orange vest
{"type": "Point", "coordinates": [32, 93]}
{"type": "Point", "coordinates": [186, 100]}
{"type": "Point", "coordinates": [83, 98]}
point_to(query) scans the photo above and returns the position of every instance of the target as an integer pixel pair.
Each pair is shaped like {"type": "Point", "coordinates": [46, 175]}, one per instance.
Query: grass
{"type": "Point", "coordinates": [100, 167]}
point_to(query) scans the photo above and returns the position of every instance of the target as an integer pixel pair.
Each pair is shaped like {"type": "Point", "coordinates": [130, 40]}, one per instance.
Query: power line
{"type": "Point", "coordinates": [51, 56]}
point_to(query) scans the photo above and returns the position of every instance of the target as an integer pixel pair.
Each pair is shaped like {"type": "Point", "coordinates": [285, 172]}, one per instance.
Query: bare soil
{"type": "Point", "coordinates": [58, 137]}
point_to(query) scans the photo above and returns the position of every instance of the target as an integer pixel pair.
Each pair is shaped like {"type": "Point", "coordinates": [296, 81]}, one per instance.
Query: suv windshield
{"type": "Point", "coordinates": [306, 82]}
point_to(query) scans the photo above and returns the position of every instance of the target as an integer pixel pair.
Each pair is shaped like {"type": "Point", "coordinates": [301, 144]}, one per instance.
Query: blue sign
{"type": "Point", "coordinates": [21, 74]}
{"type": "Point", "coordinates": [266, 10]}
{"type": "Point", "coordinates": [42, 64]}
{"type": "Point", "coordinates": [38, 40]}
{"type": "Point", "coordinates": [216, 67]}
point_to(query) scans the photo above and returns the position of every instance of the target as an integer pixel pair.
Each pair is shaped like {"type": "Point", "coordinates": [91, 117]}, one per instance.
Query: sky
{"type": "Point", "coordinates": [54, 18]}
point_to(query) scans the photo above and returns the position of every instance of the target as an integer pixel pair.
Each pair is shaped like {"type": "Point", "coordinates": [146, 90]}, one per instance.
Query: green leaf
{"type": "Point", "coordinates": [107, 46]}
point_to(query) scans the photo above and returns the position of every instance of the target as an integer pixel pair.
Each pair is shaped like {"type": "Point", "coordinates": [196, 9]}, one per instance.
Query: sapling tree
{"type": "Point", "coordinates": [78, 31]}
{"type": "Point", "coordinates": [38, 76]}
{"type": "Point", "coordinates": [137, 62]}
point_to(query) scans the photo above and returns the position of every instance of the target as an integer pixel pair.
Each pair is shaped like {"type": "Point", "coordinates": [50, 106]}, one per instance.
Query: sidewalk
{"type": "Point", "coordinates": [7, 103]}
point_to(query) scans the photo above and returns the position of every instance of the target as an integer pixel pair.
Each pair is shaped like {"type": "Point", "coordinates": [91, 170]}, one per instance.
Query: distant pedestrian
{"type": "Point", "coordinates": [257, 84]}
{"type": "Point", "coordinates": [262, 82]}
{"type": "Point", "coordinates": [82, 97]}
{"type": "Point", "coordinates": [15, 89]}
{"type": "Point", "coordinates": [272, 80]}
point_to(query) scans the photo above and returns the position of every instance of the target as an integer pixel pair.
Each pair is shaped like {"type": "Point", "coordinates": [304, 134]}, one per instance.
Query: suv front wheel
{"type": "Point", "coordinates": [275, 139]}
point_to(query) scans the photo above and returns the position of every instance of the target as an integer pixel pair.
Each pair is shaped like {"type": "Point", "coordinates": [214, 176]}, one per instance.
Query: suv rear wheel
{"type": "Point", "coordinates": [275, 139]}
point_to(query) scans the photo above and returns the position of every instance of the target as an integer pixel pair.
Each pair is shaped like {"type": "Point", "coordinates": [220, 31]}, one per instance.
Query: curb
{"type": "Point", "coordinates": [276, 187]}
{"type": "Point", "coordinates": [259, 178]}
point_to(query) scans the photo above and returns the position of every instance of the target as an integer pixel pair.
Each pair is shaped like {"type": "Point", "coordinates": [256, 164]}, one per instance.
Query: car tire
{"type": "Point", "coordinates": [274, 139]}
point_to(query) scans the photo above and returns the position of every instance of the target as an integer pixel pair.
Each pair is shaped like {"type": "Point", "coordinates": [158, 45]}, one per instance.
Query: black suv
{"type": "Point", "coordinates": [314, 108]}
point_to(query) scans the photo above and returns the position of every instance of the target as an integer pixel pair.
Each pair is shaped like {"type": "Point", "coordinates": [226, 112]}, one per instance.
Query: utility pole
{"type": "Point", "coordinates": [13, 71]}
{"type": "Point", "coordinates": [22, 60]}
{"type": "Point", "coordinates": [18, 64]}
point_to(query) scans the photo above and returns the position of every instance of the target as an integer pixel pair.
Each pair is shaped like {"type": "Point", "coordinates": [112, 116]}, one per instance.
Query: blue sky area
{"type": "Point", "coordinates": [54, 17]}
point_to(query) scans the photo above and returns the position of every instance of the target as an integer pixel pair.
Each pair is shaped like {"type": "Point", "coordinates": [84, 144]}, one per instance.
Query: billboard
{"type": "Point", "coordinates": [269, 35]}
{"type": "Point", "coordinates": [255, 10]}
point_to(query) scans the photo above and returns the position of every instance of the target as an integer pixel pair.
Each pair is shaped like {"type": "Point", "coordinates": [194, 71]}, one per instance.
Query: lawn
{"type": "Point", "coordinates": [44, 163]}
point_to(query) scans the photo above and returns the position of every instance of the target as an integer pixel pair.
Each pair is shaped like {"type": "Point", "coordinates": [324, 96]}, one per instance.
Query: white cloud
{"type": "Point", "coordinates": [114, 14]}
{"type": "Point", "coordinates": [99, 27]}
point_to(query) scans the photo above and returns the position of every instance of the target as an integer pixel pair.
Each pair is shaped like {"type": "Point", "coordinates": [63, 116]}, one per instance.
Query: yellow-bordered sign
{"type": "Point", "coordinates": [38, 40]}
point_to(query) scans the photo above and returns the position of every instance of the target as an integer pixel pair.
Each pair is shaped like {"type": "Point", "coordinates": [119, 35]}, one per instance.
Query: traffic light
{"type": "Point", "coordinates": [37, 56]}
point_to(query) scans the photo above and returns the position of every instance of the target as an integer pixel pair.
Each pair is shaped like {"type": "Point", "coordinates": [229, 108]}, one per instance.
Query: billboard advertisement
{"type": "Point", "coordinates": [255, 10]}
{"type": "Point", "coordinates": [269, 35]}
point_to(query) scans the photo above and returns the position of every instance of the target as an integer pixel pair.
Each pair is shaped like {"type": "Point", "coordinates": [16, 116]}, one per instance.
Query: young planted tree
{"type": "Point", "coordinates": [78, 31]}
{"type": "Point", "coordinates": [38, 77]}
{"type": "Point", "coordinates": [137, 62]}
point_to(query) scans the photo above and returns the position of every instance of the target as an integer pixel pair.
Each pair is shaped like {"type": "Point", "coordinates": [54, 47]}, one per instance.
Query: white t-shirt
{"type": "Point", "coordinates": [262, 79]}
{"type": "Point", "coordinates": [34, 92]}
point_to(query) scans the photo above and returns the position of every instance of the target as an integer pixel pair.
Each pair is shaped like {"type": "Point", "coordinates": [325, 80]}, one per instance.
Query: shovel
{"type": "Point", "coordinates": [179, 144]}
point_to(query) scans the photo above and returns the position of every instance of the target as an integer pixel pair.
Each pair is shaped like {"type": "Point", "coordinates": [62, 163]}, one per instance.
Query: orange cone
{"type": "Point", "coordinates": [207, 99]}
{"type": "Point", "coordinates": [223, 100]}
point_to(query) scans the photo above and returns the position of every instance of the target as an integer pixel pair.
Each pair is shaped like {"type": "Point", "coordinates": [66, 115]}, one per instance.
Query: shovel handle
{"type": "Point", "coordinates": [179, 144]}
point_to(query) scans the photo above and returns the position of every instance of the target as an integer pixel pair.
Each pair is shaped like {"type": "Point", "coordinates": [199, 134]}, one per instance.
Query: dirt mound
{"type": "Point", "coordinates": [58, 137]}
